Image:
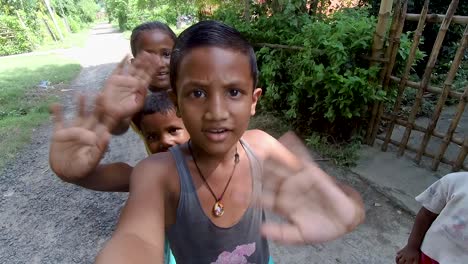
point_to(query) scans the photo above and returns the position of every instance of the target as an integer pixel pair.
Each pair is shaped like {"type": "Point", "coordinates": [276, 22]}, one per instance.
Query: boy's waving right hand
{"type": "Point", "coordinates": [124, 91]}
{"type": "Point", "coordinates": [318, 208]}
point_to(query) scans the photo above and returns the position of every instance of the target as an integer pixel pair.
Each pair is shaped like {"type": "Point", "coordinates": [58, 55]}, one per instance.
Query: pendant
{"type": "Point", "coordinates": [218, 209]}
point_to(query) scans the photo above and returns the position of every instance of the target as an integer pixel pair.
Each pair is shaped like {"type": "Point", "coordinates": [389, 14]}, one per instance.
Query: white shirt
{"type": "Point", "coordinates": [446, 241]}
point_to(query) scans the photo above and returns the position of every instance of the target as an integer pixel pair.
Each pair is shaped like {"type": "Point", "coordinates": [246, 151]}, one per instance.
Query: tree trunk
{"type": "Point", "coordinates": [246, 10]}
{"type": "Point", "coordinates": [59, 32]}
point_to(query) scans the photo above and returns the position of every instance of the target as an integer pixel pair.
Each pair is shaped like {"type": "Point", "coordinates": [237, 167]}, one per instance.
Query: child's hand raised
{"type": "Point", "coordinates": [75, 151]}
{"type": "Point", "coordinates": [316, 207]}
{"type": "Point", "coordinates": [124, 92]}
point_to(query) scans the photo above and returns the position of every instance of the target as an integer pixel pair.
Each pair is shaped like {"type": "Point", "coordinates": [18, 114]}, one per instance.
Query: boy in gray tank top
{"type": "Point", "coordinates": [208, 195]}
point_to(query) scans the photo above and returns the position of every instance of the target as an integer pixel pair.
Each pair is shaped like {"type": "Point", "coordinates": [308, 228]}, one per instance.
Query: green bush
{"type": "Point", "coordinates": [14, 38]}
{"type": "Point", "coordinates": [325, 86]}
{"type": "Point", "coordinates": [74, 24]}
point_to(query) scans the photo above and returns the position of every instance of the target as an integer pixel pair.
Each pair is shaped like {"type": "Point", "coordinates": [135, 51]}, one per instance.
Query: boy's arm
{"type": "Point", "coordinates": [139, 237]}
{"type": "Point", "coordinates": [318, 209]}
{"type": "Point", "coordinates": [113, 177]}
{"type": "Point", "coordinates": [410, 253]}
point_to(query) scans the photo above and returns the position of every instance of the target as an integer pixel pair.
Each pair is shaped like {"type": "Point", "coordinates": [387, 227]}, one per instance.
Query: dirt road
{"type": "Point", "coordinates": [43, 220]}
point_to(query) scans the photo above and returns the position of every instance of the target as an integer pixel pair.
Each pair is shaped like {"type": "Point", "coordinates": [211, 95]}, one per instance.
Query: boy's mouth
{"type": "Point", "coordinates": [161, 75]}
{"type": "Point", "coordinates": [216, 134]}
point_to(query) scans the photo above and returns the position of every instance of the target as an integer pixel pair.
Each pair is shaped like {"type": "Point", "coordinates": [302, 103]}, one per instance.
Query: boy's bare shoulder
{"type": "Point", "coordinates": [260, 141]}
{"type": "Point", "coordinates": [158, 168]}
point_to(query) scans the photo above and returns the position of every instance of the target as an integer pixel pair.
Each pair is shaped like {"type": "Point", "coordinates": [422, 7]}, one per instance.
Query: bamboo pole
{"type": "Point", "coordinates": [377, 47]}
{"type": "Point", "coordinates": [404, 79]}
{"type": "Point", "coordinates": [246, 10]}
{"type": "Point", "coordinates": [49, 29]}
{"type": "Point", "coordinates": [447, 87]}
{"type": "Point", "coordinates": [429, 155]}
{"type": "Point", "coordinates": [453, 125]}
{"type": "Point", "coordinates": [278, 46]}
{"type": "Point", "coordinates": [436, 18]}
{"type": "Point", "coordinates": [432, 89]}
{"type": "Point", "coordinates": [380, 30]}
{"type": "Point", "coordinates": [461, 157]}
{"type": "Point", "coordinates": [47, 3]}
{"type": "Point", "coordinates": [427, 73]}
{"type": "Point", "coordinates": [435, 133]}
{"type": "Point", "coordinates": [392, 51]}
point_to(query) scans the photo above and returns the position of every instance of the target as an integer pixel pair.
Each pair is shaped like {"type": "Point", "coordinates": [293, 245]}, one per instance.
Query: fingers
{"type": "Point", "coordinates": [294, 144]}
{"type": "Point", "coordinates": [121, 68]}
{"type": "Point", "coordinates": [76, 134]}
{"type": "Point", "coordinates": [398, 257]}
{"type": "Point", "coordinates": [284, 233]}
{"type": "Point", "coordinates": [56, 110]}
{"type": "Point", "coordinates": [81, 106]}
{"type": "Point", "coordinates": [143, 68]}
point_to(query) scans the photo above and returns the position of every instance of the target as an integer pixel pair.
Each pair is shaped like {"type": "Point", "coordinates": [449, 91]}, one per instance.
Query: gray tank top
{"type": "Point", "coordinates": [195, 239]}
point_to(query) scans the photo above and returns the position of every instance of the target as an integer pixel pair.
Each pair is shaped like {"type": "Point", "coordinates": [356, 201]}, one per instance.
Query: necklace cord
{"type": "Point", "coordinates": [236, 161]}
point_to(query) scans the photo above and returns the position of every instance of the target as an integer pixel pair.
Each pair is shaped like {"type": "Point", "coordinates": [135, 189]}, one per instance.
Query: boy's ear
{"type": "Point", "coordinates": [255, 97]}
{"type": "Point", "coordinates": [131, 60]}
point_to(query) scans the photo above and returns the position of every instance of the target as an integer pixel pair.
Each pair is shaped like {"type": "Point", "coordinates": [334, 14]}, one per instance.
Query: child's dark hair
{"type": "Point", "coordinates": [154, 25]}
{"type": "Point", "coordinates": [156, 102]}
{"type": "Point", "coordinates": [213, 34]}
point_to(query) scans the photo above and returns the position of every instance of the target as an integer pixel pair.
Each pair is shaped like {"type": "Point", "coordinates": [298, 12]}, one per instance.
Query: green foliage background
{"type": "Point", "coordinates": [25, 24]}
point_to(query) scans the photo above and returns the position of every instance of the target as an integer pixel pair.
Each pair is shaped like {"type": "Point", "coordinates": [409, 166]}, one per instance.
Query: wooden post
{"type": "Point", "coordinates": [453, 125]}
{"type": "Point", "coordinates": [246, 10]}
{"type": "Point", "coordinates": [65, 18]}
{"type": "Point", "coordinates": [461, 156]}
{"type": "Point", "coordinates": [435, 18]}
{"type": "Point", "coordinates": [409, 63]}
{"type": "Point", "coordinates": [47, 3]}
{"type": "Point", "coordinates": [427, 73]}
{"type": "Point", "coordinates": [377, 47]}
{"type": "Point", "coordinates": [381, 28]}
{"type": "Point", "coordinates": [392, 51]}
{"type": "Point", "coordinates": [445, 91]}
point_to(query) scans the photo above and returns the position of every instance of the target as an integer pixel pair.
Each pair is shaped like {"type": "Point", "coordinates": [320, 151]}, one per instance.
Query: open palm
{"type": "Point", "coordinates": [76, 150]}
{"type": "Point", "coordinates": [316, 208]}
{"type": "Point", "coordinates": [124, 91]}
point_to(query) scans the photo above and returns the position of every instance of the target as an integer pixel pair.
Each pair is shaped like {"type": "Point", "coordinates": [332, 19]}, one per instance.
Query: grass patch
{"type": "Point", "coordinates": [341, 154]}
{"type": "Point", "coordinates": [269, 123]}
{"type": "Point", "coordinates": [23, 106]}
{"type": "Point", "coordinates": [70, 41]}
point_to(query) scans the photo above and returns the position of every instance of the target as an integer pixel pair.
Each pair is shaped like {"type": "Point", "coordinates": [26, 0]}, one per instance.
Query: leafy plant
{"type": "Point", "coordinates": [324, 84]}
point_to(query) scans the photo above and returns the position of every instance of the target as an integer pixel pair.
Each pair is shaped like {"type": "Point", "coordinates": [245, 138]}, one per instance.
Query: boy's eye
{"type": "Point", "coordinates": [150, 138]}
{"type": "Point", "coordinates": [234, 92]}
{"type": "Point", "coordinates": [167, 54]}
{"type": "Point", "coordinates": [174, 131]}
{"type": "Point", "coordinates": [198, 93]}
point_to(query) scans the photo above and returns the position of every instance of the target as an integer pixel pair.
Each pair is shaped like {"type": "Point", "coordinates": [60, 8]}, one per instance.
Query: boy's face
{"type": "Point", "coordinates": [215, 97]}
{"type": "Point", "coordinates": [162, 131]}
{"type": "Point", "coordinates": [160, 44]}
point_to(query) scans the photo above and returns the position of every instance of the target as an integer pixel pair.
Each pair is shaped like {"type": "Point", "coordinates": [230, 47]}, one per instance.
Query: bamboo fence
{"type": "Point", "coordinates": [422, 87]}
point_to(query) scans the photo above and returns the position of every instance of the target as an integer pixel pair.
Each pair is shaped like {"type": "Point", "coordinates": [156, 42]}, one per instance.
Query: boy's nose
{"type": "Point", "coordinates": [167, 142]}
{"type": "Point", "coordinates": [216, 109]}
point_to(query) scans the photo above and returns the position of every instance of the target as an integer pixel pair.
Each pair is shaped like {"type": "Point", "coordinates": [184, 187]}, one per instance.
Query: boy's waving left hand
{"type": "Point", "coordinates": [76, 150]}
{"type": "Point", "coordinates": [316, 207]}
